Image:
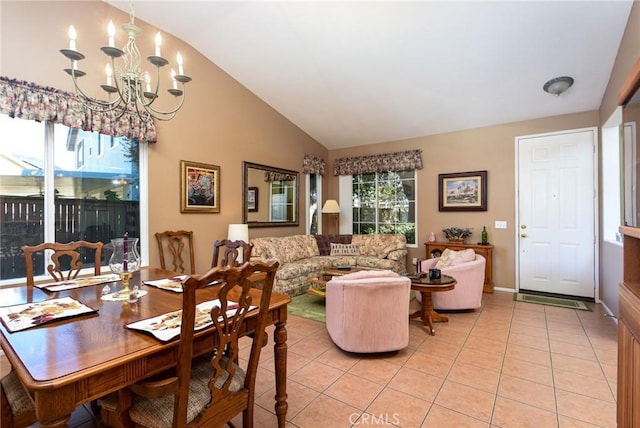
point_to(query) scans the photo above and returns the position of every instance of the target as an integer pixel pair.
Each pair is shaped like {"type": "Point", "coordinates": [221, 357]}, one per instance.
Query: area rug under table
{"type": "Point", "coordinates": [308, 306]}
{"type": "Point", "coordinates": [551, 301]}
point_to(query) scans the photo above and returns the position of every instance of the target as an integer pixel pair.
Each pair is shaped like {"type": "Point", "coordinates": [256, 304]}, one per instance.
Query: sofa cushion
{"type": "Point", "coordinates": [379, 245]}
{"type": "Point", "coordinates": [324, 242]}
{"type": "Point", "coordinates": [344, 250]}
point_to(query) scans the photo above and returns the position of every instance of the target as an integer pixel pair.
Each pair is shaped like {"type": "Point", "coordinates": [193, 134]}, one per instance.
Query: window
{"type": "Point", "coordinates": [314, 195]}
{"type": "Point", "coordinates": [282, 200]}
{"type": "Point", "coordinates": [385, 202]}
{"type": "Point", "coordinates": [50, 192]}
{"type": "Point", "coordinates": [612, 177]}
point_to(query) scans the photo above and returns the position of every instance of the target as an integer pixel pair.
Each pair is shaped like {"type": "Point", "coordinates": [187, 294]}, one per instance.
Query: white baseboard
{"type": "Point", "coordinates": [507, 290]}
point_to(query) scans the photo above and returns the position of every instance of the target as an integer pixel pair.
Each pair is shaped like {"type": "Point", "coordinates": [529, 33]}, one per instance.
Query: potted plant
{"type": "Point", "coordinates": [456, 234]}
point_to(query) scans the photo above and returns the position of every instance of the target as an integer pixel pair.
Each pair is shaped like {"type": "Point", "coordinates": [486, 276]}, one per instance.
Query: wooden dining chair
{"type": "Point", "coordinates": [17, 409]}
{"type": "Point", "coordinates": [231, 252]}
{"type": "Point", "coordinates": [208, 391]}
{"type": "Point", "coordinates": [178, 245]}
{"type": "Point", "coordinates": [66, 260]}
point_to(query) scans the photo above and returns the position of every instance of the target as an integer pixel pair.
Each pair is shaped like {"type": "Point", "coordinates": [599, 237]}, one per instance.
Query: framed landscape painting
{"type": "Point", "coordinates": [199, 187]}
{"type": "Point", "coordinates": [252, 199]}
{"type": "Point", "coordinates": [463, 191]}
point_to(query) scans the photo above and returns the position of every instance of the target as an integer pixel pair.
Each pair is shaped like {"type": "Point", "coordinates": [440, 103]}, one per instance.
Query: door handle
{"type": "Point", "coordinates": [523, 235]}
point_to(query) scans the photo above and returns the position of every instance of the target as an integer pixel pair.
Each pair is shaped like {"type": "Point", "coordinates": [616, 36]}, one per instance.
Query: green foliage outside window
{"type": "Point", "coordinates": [385, 203]}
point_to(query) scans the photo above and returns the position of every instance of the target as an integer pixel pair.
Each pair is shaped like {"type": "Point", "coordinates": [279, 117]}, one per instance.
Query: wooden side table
{"type": "Point", "coordinates": [434, 249]}
{"type": "Point", "coordinates": [426, 287]}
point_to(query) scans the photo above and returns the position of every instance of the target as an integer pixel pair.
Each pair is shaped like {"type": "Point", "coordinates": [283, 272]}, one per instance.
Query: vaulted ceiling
{"type": "Point", "coordinates": [359, 72]}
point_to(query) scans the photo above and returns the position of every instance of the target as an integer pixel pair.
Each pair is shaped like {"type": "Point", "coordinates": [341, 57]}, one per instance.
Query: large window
{"type": "Point", "coordinates": [52, 189]}
{"type": "Point", "coordinates": [385, 202]}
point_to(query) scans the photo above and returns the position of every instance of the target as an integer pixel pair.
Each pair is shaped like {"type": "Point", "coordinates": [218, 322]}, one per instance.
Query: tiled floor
{"type": "Point", "coordinates": [506, 365]}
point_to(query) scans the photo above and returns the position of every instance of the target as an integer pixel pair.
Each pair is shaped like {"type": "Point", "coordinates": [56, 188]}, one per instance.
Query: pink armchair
{"type": "Point", "coordinates": [468, 291]}
{"type": "Point", "coordinates": [368, 311]}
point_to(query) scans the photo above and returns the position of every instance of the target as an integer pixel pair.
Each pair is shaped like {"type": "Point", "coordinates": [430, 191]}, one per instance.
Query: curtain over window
{"type": "Point", "coordinates": [313, 165]}
{"type": "Point", "coordinates": [29, 101]}
{"type": "Point", "coordinates": [398, 161]}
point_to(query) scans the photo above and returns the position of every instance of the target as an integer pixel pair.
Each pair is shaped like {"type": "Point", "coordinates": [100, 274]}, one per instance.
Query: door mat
{"type": "Point", "coordinates": [308, 306]}
{"type": "Point", "coordinates": [551, 301]}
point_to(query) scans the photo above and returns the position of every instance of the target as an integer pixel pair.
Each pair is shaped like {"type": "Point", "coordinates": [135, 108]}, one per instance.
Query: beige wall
{"type": "Point", "coordinates": [491, 149]}
{"type": "Point", "coordinates": [221, 123]}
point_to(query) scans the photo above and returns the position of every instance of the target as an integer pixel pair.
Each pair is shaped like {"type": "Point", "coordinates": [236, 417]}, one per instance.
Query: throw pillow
{"type": "Point", "coordinates": [344, 250]}
{"type": "Point", "coordinates": [446, 259]}
{"type": "Point", "coordinates": [464, 256]}
{"type": "Point", "coordinates": [324, 242]}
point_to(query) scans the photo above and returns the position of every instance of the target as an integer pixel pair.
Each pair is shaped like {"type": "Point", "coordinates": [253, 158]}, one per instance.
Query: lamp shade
{"type": "Point", "coordinates": [331, 207]}
{"type": "Point", "coordinates": [238, 232]}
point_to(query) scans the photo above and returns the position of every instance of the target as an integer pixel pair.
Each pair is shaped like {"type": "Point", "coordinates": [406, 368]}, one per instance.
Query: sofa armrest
{"type": "Point", "coordinates": [397, 255]}
{"type": "Point", "coordinates": [465, 267]}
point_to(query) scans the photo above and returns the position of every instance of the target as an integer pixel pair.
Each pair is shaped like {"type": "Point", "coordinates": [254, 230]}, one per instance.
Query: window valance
{"type": "Point", "coordinates": [278, 176]}
{"type": "Point", "coordinates": [313, 165]}
{"type": "Point", "coordinates": [398, 161]}
{"type": "Point", "coordinates": [29, 101]}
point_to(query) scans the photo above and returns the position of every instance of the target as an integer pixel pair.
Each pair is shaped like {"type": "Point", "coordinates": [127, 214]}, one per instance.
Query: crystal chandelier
{"type": "Point", "coordinates": [128, 89]}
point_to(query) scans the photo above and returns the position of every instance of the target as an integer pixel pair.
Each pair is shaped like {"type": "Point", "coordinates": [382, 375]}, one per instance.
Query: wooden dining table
{"type": "Point", "coordinates": [66, 363]}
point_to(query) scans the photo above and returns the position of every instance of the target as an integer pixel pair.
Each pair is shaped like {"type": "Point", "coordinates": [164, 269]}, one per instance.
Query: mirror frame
{"type": "Point", "coordinates": [245, 188]}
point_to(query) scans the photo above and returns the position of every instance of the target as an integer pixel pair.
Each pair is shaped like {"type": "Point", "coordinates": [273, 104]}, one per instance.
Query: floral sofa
{"type": "Point", "coordinates": [304, 256]}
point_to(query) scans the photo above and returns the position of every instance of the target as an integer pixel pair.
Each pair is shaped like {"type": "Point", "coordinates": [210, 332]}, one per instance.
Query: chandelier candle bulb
{"type": "Point", "coordinates": [158, 41]}
{"type": "Point", "coordinates": [72, 39]}
{"type": "Point", "coordinates": [173, 78]}
{"type": "Point", "coordinates": [111, 31]}
{"type": "Point", "coordinates": [107, 70]}
{"type": "Point", "coordinates": [180, 67]}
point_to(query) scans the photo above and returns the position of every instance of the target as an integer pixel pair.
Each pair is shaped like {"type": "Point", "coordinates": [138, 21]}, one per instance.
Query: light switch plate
{"type": "Point", "coordinates": [501, 224]}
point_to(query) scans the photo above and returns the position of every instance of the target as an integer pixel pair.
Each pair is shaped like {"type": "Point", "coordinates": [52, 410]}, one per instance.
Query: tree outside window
{"type": "Point", "coordinates": [385, 202]}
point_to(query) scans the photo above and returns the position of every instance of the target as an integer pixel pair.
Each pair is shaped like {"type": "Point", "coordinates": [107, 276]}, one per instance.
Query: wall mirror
{"type": "Point", "coordinates": [270, 196]}
{"type": "Point", "coordinates": [629, 97]}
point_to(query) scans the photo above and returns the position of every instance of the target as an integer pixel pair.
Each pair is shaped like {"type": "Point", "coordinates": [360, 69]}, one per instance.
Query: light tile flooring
{"type": "Point", "coordinates": [507, 364]}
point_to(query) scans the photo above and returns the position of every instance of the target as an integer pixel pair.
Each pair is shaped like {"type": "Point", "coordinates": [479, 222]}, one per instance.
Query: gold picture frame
{"type": "Point", "coordinates": [199, 187]}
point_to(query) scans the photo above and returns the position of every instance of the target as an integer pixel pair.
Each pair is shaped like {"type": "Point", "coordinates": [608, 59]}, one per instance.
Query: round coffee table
{"type": "Point", "coordinates": [426, 287]}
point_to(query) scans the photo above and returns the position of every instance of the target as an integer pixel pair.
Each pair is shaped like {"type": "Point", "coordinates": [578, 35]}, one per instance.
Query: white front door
{"type": "Point", "coordinates": [556, 212]}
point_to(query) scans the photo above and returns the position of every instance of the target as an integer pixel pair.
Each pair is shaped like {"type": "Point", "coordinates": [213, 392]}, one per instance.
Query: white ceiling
{"type": "Point", "coordinates": [357, 72]}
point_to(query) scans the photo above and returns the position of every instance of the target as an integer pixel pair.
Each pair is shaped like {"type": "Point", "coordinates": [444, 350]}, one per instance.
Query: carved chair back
{"type": "Point", "coordinates": [229, 387]}
{"type": "Point", "coordinates": [231, 252]}
{"type": "Point", "coordinates": [176, 246]}
{"type": "Point", "coordinates": [66, 259]}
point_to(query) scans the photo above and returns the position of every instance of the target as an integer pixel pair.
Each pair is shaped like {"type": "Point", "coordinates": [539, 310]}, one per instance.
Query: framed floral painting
{"type": "Point", "coordinates": [463, 191]}
{"type": "Point", "coordinates": [199, 187]}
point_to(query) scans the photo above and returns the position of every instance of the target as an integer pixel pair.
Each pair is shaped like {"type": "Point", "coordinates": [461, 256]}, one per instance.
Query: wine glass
{"type": "Point", "coordinates": [125, 259]}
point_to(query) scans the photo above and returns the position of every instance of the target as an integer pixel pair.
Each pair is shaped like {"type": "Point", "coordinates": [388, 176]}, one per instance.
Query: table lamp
{"type": "Point", "coordinates": [238, 232]}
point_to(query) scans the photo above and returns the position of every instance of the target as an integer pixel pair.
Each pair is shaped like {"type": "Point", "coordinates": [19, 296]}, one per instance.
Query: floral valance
{"type": "Point", "coordinates": [313, 165]}
{"type": "Point", "coordinates": [278, 176]}
{"type": "Point", "coordinates": [29, 101]}
{"type": "Point", "coordinates": [398, 161]}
